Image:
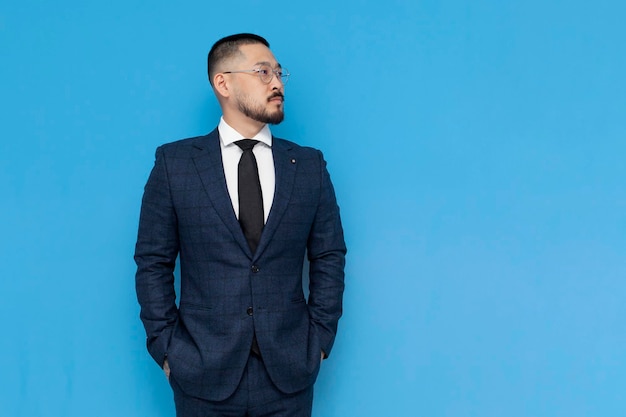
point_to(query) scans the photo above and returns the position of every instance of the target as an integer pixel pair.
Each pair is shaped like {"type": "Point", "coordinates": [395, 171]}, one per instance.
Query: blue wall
{"type": "Point", "coordinates": [477, 149]}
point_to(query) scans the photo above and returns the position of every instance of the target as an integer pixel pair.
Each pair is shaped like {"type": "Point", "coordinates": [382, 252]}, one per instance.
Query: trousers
{"type": "Point", "coordinates": [256, 396]}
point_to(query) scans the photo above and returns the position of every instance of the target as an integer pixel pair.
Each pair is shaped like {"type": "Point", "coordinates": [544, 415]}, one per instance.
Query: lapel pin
{"type": "Point", "coordinates": [293, 161]}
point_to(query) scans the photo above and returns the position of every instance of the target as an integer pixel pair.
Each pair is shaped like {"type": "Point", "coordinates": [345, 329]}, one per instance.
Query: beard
{"type": "Point", "coordinates": [258, 112]}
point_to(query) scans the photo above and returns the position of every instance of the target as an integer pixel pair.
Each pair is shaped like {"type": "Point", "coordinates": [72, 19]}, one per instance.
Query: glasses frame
{"type": "Point", "coordinates": [282, 74]}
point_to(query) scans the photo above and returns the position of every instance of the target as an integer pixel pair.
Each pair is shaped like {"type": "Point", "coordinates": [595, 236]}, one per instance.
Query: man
{"type": "Point", "coordinates": [240, 215]}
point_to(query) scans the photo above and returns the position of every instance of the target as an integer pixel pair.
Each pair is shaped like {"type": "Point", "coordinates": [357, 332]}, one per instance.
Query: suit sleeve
{"type": "Point", "coordinates": [155, 254]}
{"type": "Point", "coordinates": [326, 254]}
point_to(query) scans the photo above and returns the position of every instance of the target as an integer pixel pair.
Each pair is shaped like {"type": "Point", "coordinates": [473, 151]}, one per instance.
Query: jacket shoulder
{"type": "Point", "coordinates": [302, 150]}
{"type": "Point", "coordinates": [184, 147]}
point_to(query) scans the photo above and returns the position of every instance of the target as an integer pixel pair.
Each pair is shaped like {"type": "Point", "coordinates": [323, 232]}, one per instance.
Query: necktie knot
{"type": "Point", "coordinates": [246, 144]}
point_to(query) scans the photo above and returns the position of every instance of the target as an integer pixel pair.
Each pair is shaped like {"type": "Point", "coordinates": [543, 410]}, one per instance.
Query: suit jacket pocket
{"type": "Point", "coordinates": [194, 306]}
{"type": "Point", "coordinates": [298, 300]}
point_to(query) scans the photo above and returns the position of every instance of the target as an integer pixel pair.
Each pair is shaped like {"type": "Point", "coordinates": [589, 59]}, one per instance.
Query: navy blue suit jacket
{"type": "Point", "coordinates": [228, 294]}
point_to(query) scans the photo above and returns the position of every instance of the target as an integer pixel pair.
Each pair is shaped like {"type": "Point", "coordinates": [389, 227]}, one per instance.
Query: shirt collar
{"type": "Point", "coordinates": [228, 134]}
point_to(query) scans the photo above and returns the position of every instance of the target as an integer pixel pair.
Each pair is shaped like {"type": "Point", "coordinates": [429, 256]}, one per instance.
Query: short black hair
{"type": "Point", "coordinates": [228, 47]}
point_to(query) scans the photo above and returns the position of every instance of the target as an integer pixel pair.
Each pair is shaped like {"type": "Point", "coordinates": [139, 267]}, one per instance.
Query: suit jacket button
{"type": "Point", "coordinates": [255, 269]}
{"type": "Point", "coordinates": [249, 311]}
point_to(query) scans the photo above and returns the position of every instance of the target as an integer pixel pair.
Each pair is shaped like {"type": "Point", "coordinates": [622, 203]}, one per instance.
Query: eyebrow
{"type": "Point", "coordinates": [268, 64]}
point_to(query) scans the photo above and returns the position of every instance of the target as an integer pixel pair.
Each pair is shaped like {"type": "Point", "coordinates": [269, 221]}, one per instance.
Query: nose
{"type": "Point", "coordinates": [276, 82]}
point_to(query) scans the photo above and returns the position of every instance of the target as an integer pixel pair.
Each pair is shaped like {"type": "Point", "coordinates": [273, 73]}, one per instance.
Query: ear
{"type": "Point", "coordinates": [220, 85]}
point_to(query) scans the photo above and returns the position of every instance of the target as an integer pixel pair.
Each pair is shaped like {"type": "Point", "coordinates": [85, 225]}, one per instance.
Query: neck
{"type": "Point", "coordinates": [247, 127]}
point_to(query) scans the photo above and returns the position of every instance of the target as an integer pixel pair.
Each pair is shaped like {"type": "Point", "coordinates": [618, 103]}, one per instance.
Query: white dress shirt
{"type": "Point", "coordinates": [231, 153]}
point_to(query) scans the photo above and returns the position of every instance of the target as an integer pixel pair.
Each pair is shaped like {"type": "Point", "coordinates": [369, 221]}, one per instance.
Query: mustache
{"type": "Point", "coordinates": [277, 94]}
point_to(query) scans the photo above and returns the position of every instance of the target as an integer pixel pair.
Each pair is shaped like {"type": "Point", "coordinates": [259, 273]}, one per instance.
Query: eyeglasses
{"type": "Point", "coordinates": [266, 73]}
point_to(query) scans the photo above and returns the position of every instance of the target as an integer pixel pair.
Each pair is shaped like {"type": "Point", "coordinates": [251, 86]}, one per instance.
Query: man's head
{"type": "Point", "coordinates": [225, 50]}
{"type": "Point", "coordinates": [246, 80]}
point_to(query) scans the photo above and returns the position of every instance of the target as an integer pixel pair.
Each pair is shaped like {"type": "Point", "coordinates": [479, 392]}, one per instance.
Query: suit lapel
{"type": "Point", "coordinates": [208, 162]}
{"type": "Point", "coordinates": [285, 168]}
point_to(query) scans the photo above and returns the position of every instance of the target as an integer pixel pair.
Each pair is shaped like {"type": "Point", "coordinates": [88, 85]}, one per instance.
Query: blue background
{"type": "Point", "coordinates": [477, 149]}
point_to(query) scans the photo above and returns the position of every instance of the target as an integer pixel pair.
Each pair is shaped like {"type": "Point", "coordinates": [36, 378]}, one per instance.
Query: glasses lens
{"type": "Point", "coordinates": [265, 73]}
{"type": "Point", "coordinates": [284, 75]}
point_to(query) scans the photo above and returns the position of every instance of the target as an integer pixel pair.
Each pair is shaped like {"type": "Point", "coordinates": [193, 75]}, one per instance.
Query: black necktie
{"type": "Point", "coordinates": [251, 215]}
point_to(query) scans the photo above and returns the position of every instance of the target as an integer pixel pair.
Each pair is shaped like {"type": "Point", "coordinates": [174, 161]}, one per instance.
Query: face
{"type": "Point", "coordinates": [252, 97]}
